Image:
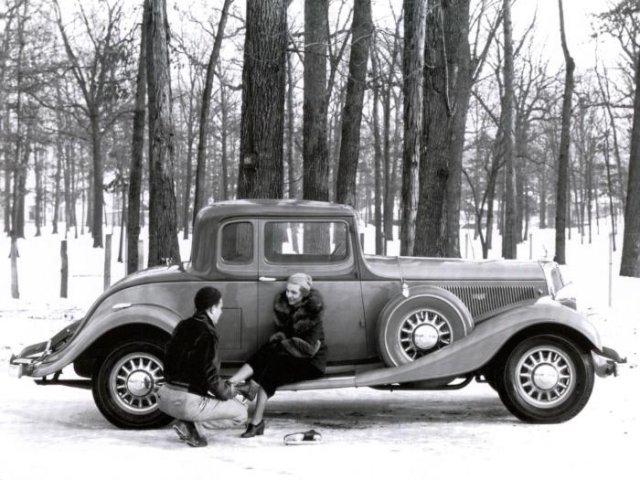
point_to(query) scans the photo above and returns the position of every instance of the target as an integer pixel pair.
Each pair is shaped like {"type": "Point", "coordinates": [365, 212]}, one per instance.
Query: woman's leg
{"type": "Point", "coordinates": [261, 403]}
{"type": "Point", "coordinates": [241, 375]}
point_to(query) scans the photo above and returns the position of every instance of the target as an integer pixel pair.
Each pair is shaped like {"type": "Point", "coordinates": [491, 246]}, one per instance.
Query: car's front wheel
{"type": "Point", "coordinates": [546, 379]}
{"type": "Point", "coordinates": [126, 383]}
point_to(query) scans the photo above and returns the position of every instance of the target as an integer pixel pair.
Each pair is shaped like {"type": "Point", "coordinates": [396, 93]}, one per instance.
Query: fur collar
{"type": "Point", "coordinates": [301, 317]}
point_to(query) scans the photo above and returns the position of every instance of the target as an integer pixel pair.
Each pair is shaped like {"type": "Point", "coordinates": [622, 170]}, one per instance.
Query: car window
{"type": "Point", "coordinates": [237, 243]}
{"type": "Point", "coordinates": [306, 242]}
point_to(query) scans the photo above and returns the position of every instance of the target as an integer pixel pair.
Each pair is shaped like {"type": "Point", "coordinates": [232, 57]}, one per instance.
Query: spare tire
{"type": "Point", "coordinates": [428, 320]}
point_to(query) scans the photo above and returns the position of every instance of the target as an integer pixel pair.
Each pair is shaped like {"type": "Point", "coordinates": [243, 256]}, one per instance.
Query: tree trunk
{"type": "Point", "coordinates": [508, 234]}
{"type": "Point", "coordinates": [37, 163]}
{"type": "Point", "coordinates": [137, 145]}
{"type": "Point", "coordinates": [389, 197]}
{"type": "Point", "coordinates": [263, 93]}
{"type": "Point", "coordinates": [361, 30]}
{"type": "Point", "coordinates": [163, 235]}
{"type": "Point", "coordinates": [610, 192]}
{"type": "Point", "coordinates": [565, 141]}
{"type": "Point", "coordinates": [377, 155]}
{"type": "Point", "coordinates": [446, 98]}
{"type": "Point", "coordinates": [56, 191]}
{"type": "Point", "coordinates": [315, 153]}
{"type": "Point", "coordinates": [204, 112]}
{"type": "Point", "coordinates": [223, 140]}
{"type": "Point", "coordinates": [97, 181]}
{"type": "Point", "coordinates": [543, 197]}
{"type": "Point", "coordinates": [292, 179]}
{"type": "Point", "coordinates": [630, 263]}
{"type": "Point", "coordinates": [412, 88]}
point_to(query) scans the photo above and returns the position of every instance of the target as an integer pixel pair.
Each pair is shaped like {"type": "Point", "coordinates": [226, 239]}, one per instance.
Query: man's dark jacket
{"type": "Point", "coordinates": [192, 360]}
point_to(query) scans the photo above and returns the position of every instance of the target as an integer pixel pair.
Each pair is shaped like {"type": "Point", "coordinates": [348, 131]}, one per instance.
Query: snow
{"type": "Point", "coordinates": [57, 432]}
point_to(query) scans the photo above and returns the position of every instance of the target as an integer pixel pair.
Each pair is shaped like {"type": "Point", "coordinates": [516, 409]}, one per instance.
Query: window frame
{"type": "Point", "coordinates": [345, 266]}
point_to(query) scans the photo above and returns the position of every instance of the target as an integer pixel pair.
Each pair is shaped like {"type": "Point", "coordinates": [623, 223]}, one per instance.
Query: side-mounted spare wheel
{"type": "Point", "coordinates": [428, 320]}
{"type": "Point", "coordinates": [126, 383]}
{"type": "Point", "coordinates": [546, 379]}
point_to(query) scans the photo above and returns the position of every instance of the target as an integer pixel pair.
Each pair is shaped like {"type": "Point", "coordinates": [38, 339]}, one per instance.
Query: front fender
{"type": "Point", "coordinates": [476, 349]}
{"type": "Point", "coordinates": [153, 315]}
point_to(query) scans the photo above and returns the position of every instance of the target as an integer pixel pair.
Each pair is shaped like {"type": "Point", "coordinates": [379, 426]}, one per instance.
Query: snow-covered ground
{"type": "Point", "coordinates": [57, 432]}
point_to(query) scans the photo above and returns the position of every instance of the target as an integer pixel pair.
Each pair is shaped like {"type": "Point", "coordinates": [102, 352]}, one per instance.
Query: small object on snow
{"type": "Point", "coordinates": [303, 438]}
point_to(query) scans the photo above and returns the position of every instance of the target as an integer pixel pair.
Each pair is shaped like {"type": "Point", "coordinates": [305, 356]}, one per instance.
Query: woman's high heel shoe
{"type": "Point", "coordinates": [253, 430]}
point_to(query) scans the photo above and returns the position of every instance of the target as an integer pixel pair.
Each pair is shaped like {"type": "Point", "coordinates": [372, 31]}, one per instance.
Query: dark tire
{"type": "Point", "coordinates": [546, 379]}
{"type": "Point", "coordinates": [429, 319]}
{"type": "Point", "coordinates": [126, 383]}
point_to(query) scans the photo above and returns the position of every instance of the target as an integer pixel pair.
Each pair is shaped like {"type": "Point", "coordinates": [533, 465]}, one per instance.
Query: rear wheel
{"type": "Point", "coordinates": [546, 379]}
{"type": "Point", "coordinates": [126, 383]}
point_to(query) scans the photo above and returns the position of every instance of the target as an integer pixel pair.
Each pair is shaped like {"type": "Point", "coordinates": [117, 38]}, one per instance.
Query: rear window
{"type": "Point", "coordinates": [306, 242]}
{"type": "Point", "coordinates": [237, 243]}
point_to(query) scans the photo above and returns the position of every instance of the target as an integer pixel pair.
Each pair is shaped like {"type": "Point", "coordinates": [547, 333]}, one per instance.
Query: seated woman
{"type": "Point", "coordinates": [194, 392]}
{"type": "Point", "coordinates": [295, 352]}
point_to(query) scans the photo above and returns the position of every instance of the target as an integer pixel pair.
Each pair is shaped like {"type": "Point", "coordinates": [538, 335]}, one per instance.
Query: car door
{"type": "Point", "coordinates": [237, 264]}
{"type": "Point", "coordinates": [322, 248]}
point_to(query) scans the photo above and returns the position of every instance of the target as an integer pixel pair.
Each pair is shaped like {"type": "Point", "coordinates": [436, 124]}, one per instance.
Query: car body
{"type": "Point", "coordinates": [390, 322]}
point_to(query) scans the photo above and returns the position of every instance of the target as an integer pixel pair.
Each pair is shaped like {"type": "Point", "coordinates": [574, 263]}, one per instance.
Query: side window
{"type": "Point", "coordinates": [306, 242]}
{"type": "Point", "coordinates": [237, 243]}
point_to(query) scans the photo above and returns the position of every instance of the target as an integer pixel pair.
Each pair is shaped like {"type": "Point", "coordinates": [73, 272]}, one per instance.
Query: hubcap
{"type": "Point", "coordinates": [545, 376]}
{"type": "Point", "coordinates": [423, 331]}
{"type": "Point", "coordinates": [425, 336]}
{"type": "Point", "coordinates": [134, 382]}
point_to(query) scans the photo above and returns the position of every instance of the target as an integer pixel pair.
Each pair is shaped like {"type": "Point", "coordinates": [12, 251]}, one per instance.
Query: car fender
{"type": "Point", "coordinates": [120, 315]}
{"type": "Point", "coordinates": [476, 349]}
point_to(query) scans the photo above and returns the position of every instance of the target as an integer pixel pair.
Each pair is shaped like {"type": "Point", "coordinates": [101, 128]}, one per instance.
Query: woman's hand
{"type": "Point", "coordinates": [277, 337]}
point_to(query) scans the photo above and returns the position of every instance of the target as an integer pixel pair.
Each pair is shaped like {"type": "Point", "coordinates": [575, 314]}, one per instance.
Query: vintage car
{"type": "Point", "coordinates": [390, 322]}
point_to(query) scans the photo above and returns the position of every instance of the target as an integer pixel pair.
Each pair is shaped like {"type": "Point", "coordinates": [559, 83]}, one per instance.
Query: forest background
{"type": "Point", "coordinates": [426, 115]}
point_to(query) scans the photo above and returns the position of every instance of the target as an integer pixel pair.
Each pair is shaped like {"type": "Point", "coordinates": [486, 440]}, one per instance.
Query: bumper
{"type": "Point", "coordinates": [605, 361]}
{"type": "Point", "coordinates": [23, 364]}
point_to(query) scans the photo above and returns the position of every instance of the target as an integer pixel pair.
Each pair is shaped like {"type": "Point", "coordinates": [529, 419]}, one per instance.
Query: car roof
{"type": "Point", "coordinates": [273, 207]}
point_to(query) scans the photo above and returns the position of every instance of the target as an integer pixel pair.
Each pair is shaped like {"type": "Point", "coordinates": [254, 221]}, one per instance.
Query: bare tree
{"type": "Point", "coordinates": [315, 183]}
{"type": "Point", "coordinates": [446, 97]}
{"type": "Point", "coordinates": [100, 91]}
{"type": "Point", "coordinates": [204, 111]}
{"type": "Point", "coordinates": [361, 30]}
{"type": "Point", "coordinates": [412, 69]}
{"type": "Point", "coordinates": [630, 262]}
{"type": "Point", "coordinates": [263, 93]}
{"type": "Point", "coordinates": [137, 144]}
{"type": "Point", "coordinates": [565, 141]}
{"type": "Point", "coordinates": [163, 236]}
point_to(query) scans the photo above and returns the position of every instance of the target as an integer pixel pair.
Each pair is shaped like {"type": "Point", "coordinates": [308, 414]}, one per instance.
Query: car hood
{"type": "Point", "coordinates": [422, 268]}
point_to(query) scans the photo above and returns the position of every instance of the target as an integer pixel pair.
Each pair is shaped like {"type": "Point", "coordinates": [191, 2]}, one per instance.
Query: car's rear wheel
{"type": "Point", "coordinates": [429, 319]}
{"type": "Point", "coordinates": [546, 379]}
{"type": "Point", "coordinates": [126, 383]}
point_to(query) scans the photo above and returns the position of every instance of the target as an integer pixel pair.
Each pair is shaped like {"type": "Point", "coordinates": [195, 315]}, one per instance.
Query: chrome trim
{"type": "Point", "coordinates": [120, 306]}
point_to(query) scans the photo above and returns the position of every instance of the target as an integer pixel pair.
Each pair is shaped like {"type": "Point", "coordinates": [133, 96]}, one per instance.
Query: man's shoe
{"type": "Point", "coordinates": [193, 438]}
{"type": "Point", "coordinates": [253, 430]}
{"type": "Point", "coordinates": [248, 390]}
{"type": "Point", "coordinates": [181, 430]}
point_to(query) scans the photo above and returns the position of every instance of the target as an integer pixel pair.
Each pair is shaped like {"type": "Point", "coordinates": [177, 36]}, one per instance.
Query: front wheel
{"type": "Point", "coordinates": [546, 379]}
{"type": "Point", "coordinates": [126, 383]}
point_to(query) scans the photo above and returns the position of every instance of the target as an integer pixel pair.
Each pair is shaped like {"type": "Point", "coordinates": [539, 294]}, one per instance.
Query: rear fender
{"type": "Point", "coordinates": [121, 315]}
{"type": "Point", "coordinates": [483, 343]}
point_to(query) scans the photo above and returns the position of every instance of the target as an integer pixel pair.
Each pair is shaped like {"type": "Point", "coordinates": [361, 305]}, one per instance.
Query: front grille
{"type": "Point", "coordinates": [484, 299]}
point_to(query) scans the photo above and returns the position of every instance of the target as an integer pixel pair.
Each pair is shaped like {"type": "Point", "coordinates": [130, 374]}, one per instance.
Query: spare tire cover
{"type": "Point", "coordinates": [429, 319]}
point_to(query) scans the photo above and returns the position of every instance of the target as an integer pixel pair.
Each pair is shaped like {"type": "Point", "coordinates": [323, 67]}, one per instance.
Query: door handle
{"type": "Point", "coordinates": [267, 279]}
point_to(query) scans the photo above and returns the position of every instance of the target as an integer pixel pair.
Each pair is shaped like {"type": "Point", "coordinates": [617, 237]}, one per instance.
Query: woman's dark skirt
{"type": "Point", "coordinates": [272, 366]}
